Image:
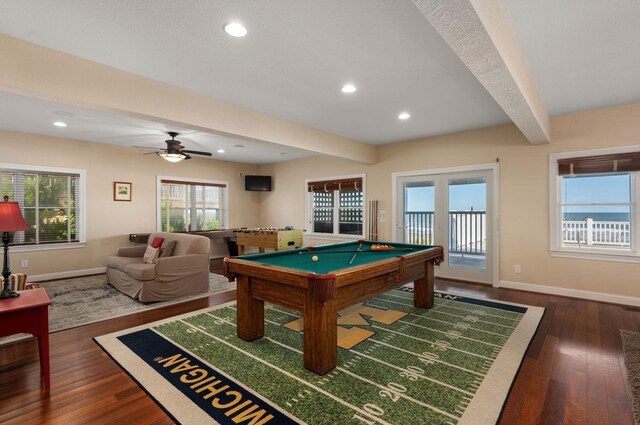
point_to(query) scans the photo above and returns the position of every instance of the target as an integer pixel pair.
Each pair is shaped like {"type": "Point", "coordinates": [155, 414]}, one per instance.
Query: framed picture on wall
{"type": "Point", "coordinates": [121, 191]}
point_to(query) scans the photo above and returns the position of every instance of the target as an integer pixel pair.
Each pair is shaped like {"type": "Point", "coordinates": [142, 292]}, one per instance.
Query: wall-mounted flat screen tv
{"type": "Point", "coordinates": [257, 183]}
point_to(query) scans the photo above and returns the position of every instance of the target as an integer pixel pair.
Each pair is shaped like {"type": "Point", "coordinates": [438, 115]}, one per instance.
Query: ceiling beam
{"type": "Point", "coordinates": [480, 33]}
{"type": "Point", "coordinates": [42, 73]}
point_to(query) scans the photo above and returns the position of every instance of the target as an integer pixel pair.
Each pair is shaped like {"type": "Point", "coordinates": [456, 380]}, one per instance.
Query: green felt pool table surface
{"type": "Point", "coordinates": [332, 258]}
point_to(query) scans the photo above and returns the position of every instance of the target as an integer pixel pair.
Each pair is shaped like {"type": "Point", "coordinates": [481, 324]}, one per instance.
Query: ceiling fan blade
{"type": "Point", "coordinates": [195, 152]}
{"type": "Point", "coordinates": [148, 148]}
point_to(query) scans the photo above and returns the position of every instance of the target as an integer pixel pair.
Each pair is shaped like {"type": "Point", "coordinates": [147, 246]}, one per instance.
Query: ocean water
{"type": "Point", "coordinates": [597, 216]}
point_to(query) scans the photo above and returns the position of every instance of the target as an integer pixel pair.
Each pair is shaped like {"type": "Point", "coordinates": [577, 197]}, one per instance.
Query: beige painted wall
{"type": "Point", "coordinates": [524, 198]}
{"type": "Point", "coordinates": [524, 193]}
{"type": "Point", "coordinates": [108, 222]}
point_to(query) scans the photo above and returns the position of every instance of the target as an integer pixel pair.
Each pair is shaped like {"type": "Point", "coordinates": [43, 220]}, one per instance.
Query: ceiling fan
{"type": "Point", "coordinates": [174, 151]}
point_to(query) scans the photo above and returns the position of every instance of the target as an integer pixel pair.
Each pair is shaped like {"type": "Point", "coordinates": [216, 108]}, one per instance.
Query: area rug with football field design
{"type": "Point", "coordinates": [397, 364]}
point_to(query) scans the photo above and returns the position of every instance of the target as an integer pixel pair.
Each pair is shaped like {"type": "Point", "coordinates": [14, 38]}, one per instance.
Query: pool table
{"type": "Point", "coordinates": [319, 289]}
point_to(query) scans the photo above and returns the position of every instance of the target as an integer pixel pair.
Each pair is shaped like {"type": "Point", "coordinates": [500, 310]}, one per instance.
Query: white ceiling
{"type": "Point", "coordinates": [29, 115]}
{"type": "Point", "coordinates": [583, 54]}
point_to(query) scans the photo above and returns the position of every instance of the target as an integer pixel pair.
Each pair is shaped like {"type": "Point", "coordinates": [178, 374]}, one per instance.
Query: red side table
{"type": "Point", "coordinates": [29, 313]}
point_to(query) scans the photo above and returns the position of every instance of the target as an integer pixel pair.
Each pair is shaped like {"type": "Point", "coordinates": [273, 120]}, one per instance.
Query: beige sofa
{"type": "Point", "coordinates": [184, 273]}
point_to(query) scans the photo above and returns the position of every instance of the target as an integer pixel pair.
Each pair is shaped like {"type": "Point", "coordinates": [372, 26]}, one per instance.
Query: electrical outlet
{"type": "Point", "coordinates": [24, 264]}
{"type": "Point", "coordinates": [518, 268]}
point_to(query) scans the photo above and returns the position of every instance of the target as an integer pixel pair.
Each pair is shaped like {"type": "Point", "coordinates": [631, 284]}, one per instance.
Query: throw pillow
{"type": "Point", "coordinates": [167, 249]}
{"type": "Point", "coordinates": [18, 281]}
{"type": "Point", "coordinates": [150, 255]}
{"type": "Point", "coordinates": [157, 242]}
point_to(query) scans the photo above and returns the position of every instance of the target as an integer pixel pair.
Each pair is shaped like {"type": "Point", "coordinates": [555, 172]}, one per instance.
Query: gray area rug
{"type": "Point", "coordinates": [631, 349]}
{"type": "Point", "coordinates": [83, 300]}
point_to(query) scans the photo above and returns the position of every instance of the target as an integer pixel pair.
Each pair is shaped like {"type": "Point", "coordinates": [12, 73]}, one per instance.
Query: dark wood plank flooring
{"type": "Point", "coordinates": [573, 372]}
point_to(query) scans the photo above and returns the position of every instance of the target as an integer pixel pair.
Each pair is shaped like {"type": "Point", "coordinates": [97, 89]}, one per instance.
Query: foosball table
{"type": "Point", "coordinates": [268, 237]}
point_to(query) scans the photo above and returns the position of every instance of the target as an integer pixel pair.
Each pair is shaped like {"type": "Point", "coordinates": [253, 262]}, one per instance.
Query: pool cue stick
{"type": "Point", "coordinates": [356, 254]}
{"type": "Point", "coordinates": [353, 250]}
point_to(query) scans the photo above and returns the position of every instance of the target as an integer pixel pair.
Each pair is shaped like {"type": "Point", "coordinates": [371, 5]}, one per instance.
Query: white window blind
{"type": "Point", "coordinates": [50, 204]}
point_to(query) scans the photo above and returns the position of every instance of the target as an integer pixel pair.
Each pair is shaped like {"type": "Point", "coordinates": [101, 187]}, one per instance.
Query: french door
{"type": "Point", "coordinates": [455, 209]}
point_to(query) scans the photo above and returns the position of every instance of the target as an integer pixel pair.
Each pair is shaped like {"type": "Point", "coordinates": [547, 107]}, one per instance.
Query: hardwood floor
{"type": "Point", "coordinates": [573, 372]}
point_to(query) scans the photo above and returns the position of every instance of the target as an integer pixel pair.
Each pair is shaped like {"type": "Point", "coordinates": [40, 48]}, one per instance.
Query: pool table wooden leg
{"type": "Point", "coordinates": [250, 314]}
{"type": "Point", "coordinates": [321, 331]}
{"type": "Point", "coordinates": [423, 288]}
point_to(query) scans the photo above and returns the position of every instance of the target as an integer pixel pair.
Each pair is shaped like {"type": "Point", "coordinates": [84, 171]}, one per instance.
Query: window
{"type": "Point", "coordinates": [52, 203]}
{"type": "Point", "coordinates": [596, 211]}
{"type": "Point", "coordinates": [335, 206]}
{"type": "Point", "coordinates": [593, 204]}
{"type": "Point", "coordinates": [191, 205]}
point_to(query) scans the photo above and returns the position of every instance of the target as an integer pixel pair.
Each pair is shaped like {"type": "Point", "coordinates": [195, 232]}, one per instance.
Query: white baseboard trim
{"type": "Point", "coordinates": [573, 293]}
{"type": "Point", "coordinates": [65, 275]}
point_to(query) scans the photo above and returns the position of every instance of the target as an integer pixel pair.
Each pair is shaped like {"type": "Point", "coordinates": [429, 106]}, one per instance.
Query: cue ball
{"type": "Point", "coordinates": [314, 258]}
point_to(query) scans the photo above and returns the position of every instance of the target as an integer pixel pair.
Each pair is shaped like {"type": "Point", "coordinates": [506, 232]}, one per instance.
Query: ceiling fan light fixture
{"type": "Point", "coordinates": [174, 152]}
{"type": "Point", "coordinates": [172, 157]}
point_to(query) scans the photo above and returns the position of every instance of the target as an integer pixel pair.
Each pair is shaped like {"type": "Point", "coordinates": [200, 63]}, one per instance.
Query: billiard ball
{"type": "Point", "coordinates": [314, 258]}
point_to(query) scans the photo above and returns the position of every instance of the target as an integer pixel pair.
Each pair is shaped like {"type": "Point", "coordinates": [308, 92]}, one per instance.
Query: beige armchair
{"type": "Point", "coordinates": [184, 273]}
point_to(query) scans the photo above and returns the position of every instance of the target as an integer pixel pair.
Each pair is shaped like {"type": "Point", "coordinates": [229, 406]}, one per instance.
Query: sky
{"type": "Point", "coordinates": [604, 189]}
{"type": "Point", "coordinates": [461, 198]}
{"type": "Point", "coordinates": [600, 189]}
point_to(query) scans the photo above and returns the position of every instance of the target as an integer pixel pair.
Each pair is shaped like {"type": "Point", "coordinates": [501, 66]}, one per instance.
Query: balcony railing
{"type": "Point", "coordinates": [596, 233]}
{"type": "Point", "coordinates": [418, 227]}
{"type": "Point", "coordinates": [467, 230]}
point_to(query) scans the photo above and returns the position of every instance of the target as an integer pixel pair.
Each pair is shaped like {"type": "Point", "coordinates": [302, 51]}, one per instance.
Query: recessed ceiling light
{"type": "Point", "coordinates": [235, 29]}
{"type": "Point", "coordinates": [348, 88]}
{"type": "Point", "coordinates": [404, 116]}
{"type": "Point", "coordinates": [60, 124]}
{"type": "Point", "coordinates": [220, 151]}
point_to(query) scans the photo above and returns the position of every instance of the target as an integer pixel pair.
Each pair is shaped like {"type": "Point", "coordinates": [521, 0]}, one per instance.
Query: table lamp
{"type": "Point", "coordinates": [11, 220]}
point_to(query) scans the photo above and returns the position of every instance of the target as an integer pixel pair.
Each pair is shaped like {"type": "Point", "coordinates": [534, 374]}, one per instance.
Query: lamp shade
{"type": "Point", "coordinates": [11, 219]}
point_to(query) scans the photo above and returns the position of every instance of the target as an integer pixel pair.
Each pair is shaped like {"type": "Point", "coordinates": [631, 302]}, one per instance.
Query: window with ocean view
{"type": "Point", "coordinates": [594, 211]}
